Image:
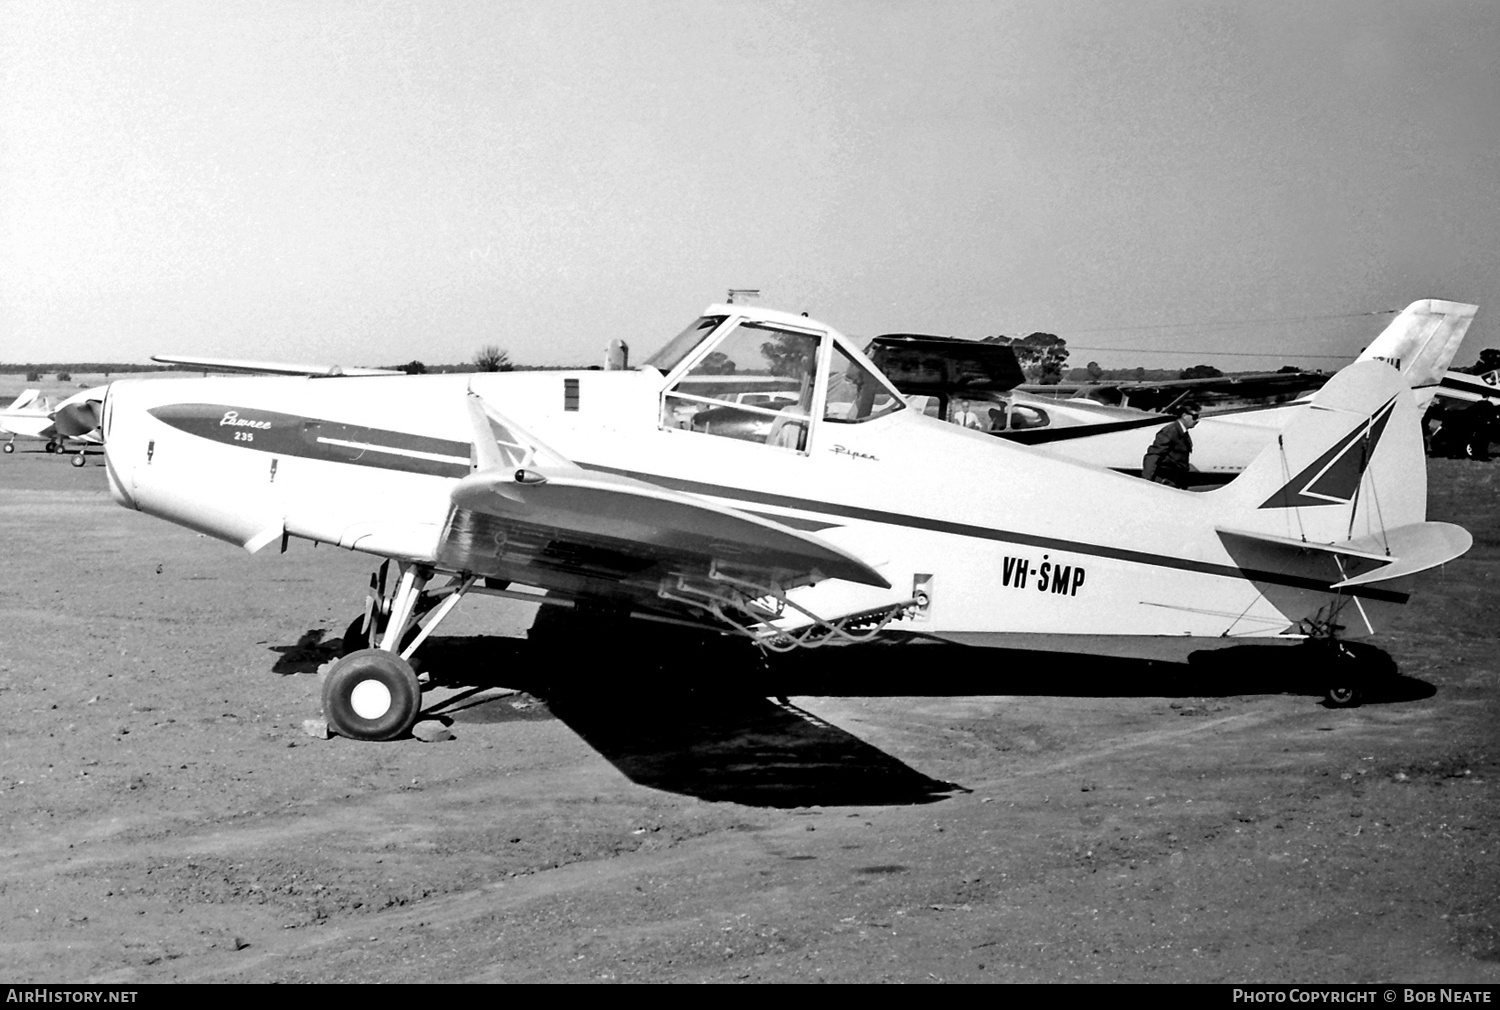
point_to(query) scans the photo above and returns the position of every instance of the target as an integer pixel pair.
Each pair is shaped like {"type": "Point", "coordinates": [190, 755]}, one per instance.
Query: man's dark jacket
{"type": "Point", "coordinates": [1166, 462]}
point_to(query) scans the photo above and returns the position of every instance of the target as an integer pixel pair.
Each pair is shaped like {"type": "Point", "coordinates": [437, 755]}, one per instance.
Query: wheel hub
{"type": "Point", "coordinates": [370, 699]}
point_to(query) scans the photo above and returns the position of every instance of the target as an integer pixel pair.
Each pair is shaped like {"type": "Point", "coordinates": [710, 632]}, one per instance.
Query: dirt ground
{"type": "Point", "coordinates": [921, 814]}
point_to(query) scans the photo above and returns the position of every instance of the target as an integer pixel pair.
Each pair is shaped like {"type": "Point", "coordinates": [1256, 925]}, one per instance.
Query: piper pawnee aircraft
{"type": "Point", "coordinates": [1420, 342]}
{"type": "Point", "coordinates": [837, 519]}
{"type": "Point", "coordinates": [30, 415]}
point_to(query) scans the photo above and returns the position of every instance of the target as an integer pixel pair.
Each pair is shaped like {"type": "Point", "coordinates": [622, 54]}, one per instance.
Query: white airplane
{"type": "Point", "coordinates": [1420, 343]}
{"type": "Point", "coordinates": [838, 519]}
{"type": "Point", "coordinates": [31, 415]}
{"type": "Point", "coordinates": [1471, 388]}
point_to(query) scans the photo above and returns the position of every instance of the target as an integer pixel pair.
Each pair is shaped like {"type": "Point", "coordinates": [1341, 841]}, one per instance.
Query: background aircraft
{"type": "Point", "coordinates": [851, 517]}
{"type": "Point", "coordinates": [75, 418]}
{"type": "Point", "coordinates": [1420, 342]}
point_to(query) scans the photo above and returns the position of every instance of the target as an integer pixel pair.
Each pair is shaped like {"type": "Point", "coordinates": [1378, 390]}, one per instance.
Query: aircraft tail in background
{"type": "Point", "coordinates": [30, 399]}
{"type": "Point", "coordinates": [1421, 343]}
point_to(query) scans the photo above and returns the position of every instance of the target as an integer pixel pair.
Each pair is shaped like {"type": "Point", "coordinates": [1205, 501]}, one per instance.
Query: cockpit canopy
{"type": "Point", "coordinates": [764, 376]}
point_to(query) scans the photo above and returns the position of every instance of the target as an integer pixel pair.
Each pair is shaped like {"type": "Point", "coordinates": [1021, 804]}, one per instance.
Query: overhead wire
{"type": "Point", "coordinates": [1221, 323]}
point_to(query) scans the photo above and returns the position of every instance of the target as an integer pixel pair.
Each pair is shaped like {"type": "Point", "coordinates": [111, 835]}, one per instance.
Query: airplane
{"type": "Point", "coordinates": [31, 415]}
{"type": "Point", "coordinates": [1466, 414]}
{"type": "Point", "coordinates": [852, 518]}
{"type": "Point", "coordinates": [1420, 342]}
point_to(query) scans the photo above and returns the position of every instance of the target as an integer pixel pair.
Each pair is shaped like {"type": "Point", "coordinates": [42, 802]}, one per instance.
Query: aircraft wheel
{"type": "Point", "coordinates": [10, 447]}
{"type": "Point", "coordinates": [1344, 696]}
{"type": "Point", "coordinates": [371, 695]}
{"type": "Point", "coordinates": [78, 460]}
{"type": "Point", "coordinates": [51, 447]}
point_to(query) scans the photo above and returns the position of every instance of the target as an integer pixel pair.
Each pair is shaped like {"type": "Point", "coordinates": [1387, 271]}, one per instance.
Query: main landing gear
{"type": "Point", "coordinates": [372, 692]}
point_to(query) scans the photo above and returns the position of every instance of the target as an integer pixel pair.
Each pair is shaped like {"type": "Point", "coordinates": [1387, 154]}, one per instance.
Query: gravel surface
{"type": "Point", "coordinates": [608, 811]}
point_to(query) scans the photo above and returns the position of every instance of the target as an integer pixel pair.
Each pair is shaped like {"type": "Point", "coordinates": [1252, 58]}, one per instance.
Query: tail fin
{"type": "Point", "coordinates": [29, 398]}
{"type": "Point", "coordinates": [1421, 342]}
{"type": "Point", "coordinates": [1349, 465]}
{"type": "Point", "coordinates": [1341, 494]}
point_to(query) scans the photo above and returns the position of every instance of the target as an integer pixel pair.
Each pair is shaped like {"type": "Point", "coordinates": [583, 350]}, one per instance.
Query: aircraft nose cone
{"type": "Point", "coordinates": [77, 418]}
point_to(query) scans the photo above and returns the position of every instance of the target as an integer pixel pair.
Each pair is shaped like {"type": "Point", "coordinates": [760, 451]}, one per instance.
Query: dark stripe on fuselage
{"type": "Point", "coordinates": [294, 435]}
{"type": "Point", "coordinates": [986, 533]}
{"type": "Point", "coordinates": [281, 434]}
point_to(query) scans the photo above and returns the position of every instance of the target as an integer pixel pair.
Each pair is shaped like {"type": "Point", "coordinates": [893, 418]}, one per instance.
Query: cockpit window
{"type": "Point", "coordinates": [853, 393]}
{"type": "Point", "coordinates": [755, 385]}
{"type": "Point", "coordinates": [679, 346]}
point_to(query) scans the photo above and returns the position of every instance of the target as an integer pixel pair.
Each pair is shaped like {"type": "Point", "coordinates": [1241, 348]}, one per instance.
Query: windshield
{"type": "Point", "coordinates": [679, 346]}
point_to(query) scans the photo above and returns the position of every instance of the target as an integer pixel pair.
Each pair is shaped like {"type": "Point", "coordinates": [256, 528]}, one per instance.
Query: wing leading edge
{"type": "Point", "coordinates": [527, 506]}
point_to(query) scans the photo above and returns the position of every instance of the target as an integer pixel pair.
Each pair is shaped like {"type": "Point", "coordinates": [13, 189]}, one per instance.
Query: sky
{"type": "Point", "coordinates": [1243, 184]}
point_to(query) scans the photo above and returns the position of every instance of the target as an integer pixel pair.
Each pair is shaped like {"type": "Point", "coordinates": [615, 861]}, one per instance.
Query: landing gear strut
{"type": "Point", "coordinates": [372, 692]}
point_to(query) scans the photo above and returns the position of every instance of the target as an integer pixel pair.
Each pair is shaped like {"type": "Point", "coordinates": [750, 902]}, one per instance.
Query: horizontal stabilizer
{"type": "Point", "coordinates": [1404, 550]}
{"type": "Point", "coordinates": [1415, 548]}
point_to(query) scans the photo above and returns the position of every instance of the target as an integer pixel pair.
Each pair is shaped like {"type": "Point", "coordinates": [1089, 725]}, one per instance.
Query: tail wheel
{"type": "Point", "coordinates": [78, 460]}
{"type": "Point", "coordinates": [371, 695]}
{"type": "Point", "coordinates": [1347, 673]}
{"type": "Point", "coordinates": [1344, 696]}
{"type": "Point", "coordinates": [10, 447]}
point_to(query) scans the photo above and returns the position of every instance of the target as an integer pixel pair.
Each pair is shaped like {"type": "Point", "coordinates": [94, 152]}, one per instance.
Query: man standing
{"type": "Point", "coordinates": [1166, 462]}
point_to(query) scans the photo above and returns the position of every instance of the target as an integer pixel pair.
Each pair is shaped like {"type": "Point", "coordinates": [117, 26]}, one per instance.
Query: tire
{"type": "Point", "coordinates": [371, 695]}
{"type": "Point", "coordinates": [78, 460]}
{"type": "Point", "coordinates": [355, 637]}
{"type": "Point", "coordinates": [51, 447]}
{"type": "Point", "coordinates": [10, 447]}
{"type": "Point", "coordinates": [1344, 696]}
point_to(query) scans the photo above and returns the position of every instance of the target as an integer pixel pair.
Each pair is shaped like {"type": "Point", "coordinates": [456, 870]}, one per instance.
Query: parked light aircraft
{"type": "Point", "coordinates": [1420, 342]}
{"type": "Point", "coordinates": [850, 518]}
{"type": "Point", "coordinates": [1471, 388]}
{"type": "Point", "coordinates": [31, 415]}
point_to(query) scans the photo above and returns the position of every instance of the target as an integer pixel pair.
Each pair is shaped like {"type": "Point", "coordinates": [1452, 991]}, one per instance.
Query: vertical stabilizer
{"type": "Point", "coordinates": [1349, 467]}
{"type": "Point", "coordinates": [1421, 342]}
{"type": "Point", "coordinates": [30, 399]}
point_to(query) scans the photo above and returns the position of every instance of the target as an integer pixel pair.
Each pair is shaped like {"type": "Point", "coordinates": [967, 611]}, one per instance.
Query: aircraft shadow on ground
{"type": "Point", "coordinates": [715, 724]}
{"type": "Point", "coordinates": [724, 739]}
{"type": "Point", "coordinates": [931, 669]}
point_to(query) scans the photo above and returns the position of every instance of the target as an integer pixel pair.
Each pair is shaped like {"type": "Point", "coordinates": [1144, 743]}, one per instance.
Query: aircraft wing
{"type": "Point", "coordinates": [1159, 394]}
{"type": "Point", "coordinates": [267, 367]}
{"type": "Point", "coordinates": [530, 514]}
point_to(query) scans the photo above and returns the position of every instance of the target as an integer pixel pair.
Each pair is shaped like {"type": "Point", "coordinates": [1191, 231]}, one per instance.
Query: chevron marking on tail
{"type": "Point", "coordinates": [1333, 478]}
